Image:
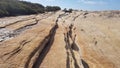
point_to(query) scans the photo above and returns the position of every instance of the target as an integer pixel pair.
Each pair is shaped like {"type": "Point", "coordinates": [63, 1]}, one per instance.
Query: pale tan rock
{"type": "Point", "coordinates": [81, 39]}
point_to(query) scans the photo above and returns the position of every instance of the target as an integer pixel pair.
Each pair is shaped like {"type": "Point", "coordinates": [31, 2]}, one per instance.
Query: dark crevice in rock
{"type": "Point", "coordinates": [70, 48]}
{"type": "Point", "coordinates": [96, 42]}
{"type": "Point", "coordinates": [16, 50]}
{"type": "Point", "coordinates": [16, 22]}
{"type": "Point", "coordinates": [85, 13]}
{"type": "Point", "coordinates": [75, 17]}
{"type": "Point", "coordinates": [68, 60]}
{"type": "Point", "coordinates": [43, 48]}
{"type": "Point", "coordinates": [46, 48]}
{"type": "Point", "coordinates": [85, 65]}
{"type": "Point", "coordinates": [74, 45]}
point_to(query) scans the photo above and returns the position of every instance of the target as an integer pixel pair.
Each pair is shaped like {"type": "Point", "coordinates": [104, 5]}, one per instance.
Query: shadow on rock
{"type": "Point", "coordinates": [85, 65]}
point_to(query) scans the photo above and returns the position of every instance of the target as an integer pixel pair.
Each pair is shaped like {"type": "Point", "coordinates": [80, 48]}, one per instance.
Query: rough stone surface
{"type": "Point", "coordinates": [81, 39]}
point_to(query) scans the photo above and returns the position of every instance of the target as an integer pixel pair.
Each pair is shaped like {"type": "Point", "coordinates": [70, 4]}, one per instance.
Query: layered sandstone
{"type": "Point", "coordinates": [80, 39]}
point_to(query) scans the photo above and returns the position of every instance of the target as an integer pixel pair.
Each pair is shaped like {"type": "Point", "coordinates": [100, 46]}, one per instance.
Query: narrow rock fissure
{"type": "Point", "coordinates": [75, 17]}
{"type": "Point", "coordinates": [15, 22]}
{"type": "Point", "coordinates": [16, 50]}
{"type": "Point", "coordinates": [70, 47]}
{"type": "Point", "coordinates": [85, 65]}
{"type": "Point", "coordinates": [45, 45]}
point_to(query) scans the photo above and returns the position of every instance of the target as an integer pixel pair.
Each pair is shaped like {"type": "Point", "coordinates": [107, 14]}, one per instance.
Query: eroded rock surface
{"type": "Point", "coordinates": [80, 39]}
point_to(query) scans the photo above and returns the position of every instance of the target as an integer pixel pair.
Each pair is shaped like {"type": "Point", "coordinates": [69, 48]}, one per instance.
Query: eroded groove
{"type": "Point", "coordinates": [16, 50]}
{"type": "Point", "coordinates": [17, 31]}
{"type": "Point", "coordinates": [70, 47]}
{"type": "Point", "coordinates": [75, 17]}
{"type": "Point", "coordinates": [68, 60]}
{"type": "Point", "coordinates": [45, 46]}
{"type": "Point", "coordinates": [16, 22]}
{"type": "Point", "coordinates": [70, 51]}
{"type": "Point", "coordinates": [30, 25]}
{"type": "Point", "coordinates": [84, 64]}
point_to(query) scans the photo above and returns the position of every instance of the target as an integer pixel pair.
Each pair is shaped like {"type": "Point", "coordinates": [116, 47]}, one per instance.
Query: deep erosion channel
{"type": "Point", "coordinates": [43, 48]}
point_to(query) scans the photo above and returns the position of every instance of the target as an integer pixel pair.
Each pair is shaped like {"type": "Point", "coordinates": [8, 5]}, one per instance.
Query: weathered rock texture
{"type": "Point", "coordinates": [79, 39]}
